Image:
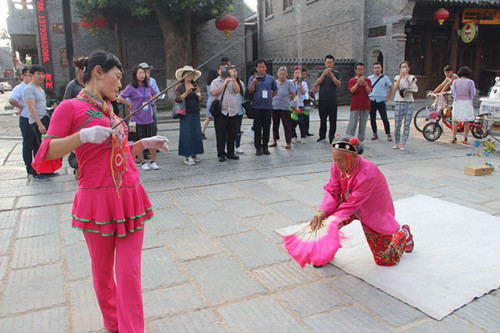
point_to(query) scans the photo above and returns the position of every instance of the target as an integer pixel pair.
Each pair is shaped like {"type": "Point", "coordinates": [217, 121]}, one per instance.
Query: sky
{"type": "Point", "coordinates": [251, 3]}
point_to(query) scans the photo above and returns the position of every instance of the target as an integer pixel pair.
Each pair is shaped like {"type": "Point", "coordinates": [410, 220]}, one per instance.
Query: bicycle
{"type": "Point", "coordinates": [433, 130]}
{"type": "Point", "coordinates": [428, 113]}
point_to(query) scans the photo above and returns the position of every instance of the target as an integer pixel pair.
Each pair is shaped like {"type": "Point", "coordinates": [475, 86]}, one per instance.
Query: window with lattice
{"type": "Point", "coordinates": [287, 4]}
{"type": "Point", "coordinates": [269, 8]}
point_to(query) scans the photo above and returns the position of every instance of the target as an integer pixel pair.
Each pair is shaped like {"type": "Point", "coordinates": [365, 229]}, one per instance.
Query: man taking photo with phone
{"type": "Point", "coordinates": [224, 88]}
{"type": "Point", "coordinates": [263, 87]}
{"type": "Point", "coordinates": [328, 81]}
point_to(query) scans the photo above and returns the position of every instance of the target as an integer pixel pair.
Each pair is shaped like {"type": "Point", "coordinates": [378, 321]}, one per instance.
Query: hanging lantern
{"type": "Point", "coordinates": [100, 22]}
{"type": "Point", "coordinates": [7, 73]}
{"type": "Point", "coordinates": [227, 24]}
{"type": "Point", "coordinates": [85, 23]}
{"type": "Point", "coordinates": [440, 15]}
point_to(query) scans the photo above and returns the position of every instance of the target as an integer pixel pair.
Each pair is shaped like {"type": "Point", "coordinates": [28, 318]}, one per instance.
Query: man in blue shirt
{"type": "Point", "coordinates": [16, 99]}
{"type": "Point", "coordinates": [263, 88]}
{"type": "Point", "coordinates": [382, 90]}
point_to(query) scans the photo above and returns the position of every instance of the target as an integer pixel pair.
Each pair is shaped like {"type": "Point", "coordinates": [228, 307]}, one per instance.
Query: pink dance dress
{"type": "Point", "coordinates": [98, 206]}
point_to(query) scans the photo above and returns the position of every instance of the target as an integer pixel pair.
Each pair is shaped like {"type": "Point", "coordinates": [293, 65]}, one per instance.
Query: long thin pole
{"type": "Point", "coordinates": [174, 84]}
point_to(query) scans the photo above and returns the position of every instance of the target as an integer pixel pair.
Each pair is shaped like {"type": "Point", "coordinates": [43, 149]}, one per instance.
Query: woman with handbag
{"type": "Point", "coordinates": [188, 91]}
{"type": "Point", "coordinates": [140, 92]}
{"type": "Point", "coordinates": [405, 86]}
{"type": "Point", "coordinates": [110, 205]}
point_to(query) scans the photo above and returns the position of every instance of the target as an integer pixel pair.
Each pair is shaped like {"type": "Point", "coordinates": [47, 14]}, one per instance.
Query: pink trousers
{"type": "Point", "coordinates": [120, 302]}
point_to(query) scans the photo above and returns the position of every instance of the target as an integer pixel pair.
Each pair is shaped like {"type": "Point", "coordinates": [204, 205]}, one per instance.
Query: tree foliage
{"type": "Point", "coordinates": [201, 10]}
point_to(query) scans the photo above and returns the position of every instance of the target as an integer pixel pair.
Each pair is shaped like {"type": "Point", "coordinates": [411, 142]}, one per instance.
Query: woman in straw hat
{"type": "Point", "coordinates": [357, 190]}
{"type": "Point", "coordinates": [188, 91]}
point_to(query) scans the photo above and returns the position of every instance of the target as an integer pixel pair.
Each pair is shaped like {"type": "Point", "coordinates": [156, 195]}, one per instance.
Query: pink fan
{"type": "Point", "coordinates": [314, 247]}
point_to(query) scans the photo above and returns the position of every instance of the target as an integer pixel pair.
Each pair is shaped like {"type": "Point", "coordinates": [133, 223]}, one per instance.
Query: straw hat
{"type": "Point", "coordinates": [179, 73]}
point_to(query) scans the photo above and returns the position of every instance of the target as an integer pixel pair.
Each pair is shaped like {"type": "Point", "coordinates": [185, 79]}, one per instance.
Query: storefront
{"type": "Point", "coordinates": [469, 36]}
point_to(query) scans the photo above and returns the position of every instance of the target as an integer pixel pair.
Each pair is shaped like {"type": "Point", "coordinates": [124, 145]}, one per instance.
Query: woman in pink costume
{"type": "Point", "coordinates": [357, 190]}
{"type": "Point", "coordinates": [110, 205]}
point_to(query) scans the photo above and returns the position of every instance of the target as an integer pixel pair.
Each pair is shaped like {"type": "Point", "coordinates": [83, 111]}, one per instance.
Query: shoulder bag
{"type": "Point", "coordinates": [216, 107]}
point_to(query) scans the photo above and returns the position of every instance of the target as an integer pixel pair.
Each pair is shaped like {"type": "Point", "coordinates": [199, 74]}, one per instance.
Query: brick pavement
{"type": "Point", "coordinates": [211, 261]}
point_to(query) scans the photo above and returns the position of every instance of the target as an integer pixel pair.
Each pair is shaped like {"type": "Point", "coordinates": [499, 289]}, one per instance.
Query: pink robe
{"type": "Point", "coordinates": [365, 195]}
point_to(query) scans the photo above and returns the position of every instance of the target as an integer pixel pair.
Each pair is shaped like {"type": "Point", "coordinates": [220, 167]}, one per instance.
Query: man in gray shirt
{"type": "Point", "coordinates": [34, 97]}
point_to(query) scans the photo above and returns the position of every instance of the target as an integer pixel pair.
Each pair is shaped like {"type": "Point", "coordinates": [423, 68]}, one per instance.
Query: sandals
{"type": "Point", "coordinates": [274, 144]}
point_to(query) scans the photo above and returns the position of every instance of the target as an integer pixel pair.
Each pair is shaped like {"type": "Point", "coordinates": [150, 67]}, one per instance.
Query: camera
{"type": "Point", "coordinates": [224, 73]}
{"type": "Point", "coordinates": [261, 78]}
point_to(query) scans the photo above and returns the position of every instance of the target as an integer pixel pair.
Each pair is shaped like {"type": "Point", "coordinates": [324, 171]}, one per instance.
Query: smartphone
{"type": "Point", "coordinates": [194, 89]}
{"type": "Point", "coordinates": [261, 78]}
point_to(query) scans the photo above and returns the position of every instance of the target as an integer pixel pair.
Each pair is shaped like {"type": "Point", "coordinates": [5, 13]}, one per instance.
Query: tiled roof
{"type": "Point", "coordinates": [471, 3]}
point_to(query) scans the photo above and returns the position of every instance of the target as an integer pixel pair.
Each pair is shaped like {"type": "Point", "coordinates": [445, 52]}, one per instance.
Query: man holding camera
{"type": "Point", "coordinates": [263, 87]}
{"type": "Point", "coordinates": [225, 87]}
{"type": "Point", "coordinates": [378, 99]}
{"type": "Point", "coordinates": [328, 81]}
{"type": "Point", "coordinates": [359, 87]}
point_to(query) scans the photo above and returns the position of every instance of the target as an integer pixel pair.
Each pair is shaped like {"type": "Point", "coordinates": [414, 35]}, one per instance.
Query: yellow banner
{"type": "Point", "coordinates": [481, 16]}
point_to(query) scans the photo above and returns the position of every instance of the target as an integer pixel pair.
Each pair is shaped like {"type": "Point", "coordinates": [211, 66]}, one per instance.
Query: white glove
{"type": "Point", "coordinates": [158, 142]}
{"type": "Point", "coordinates": [95, 134]}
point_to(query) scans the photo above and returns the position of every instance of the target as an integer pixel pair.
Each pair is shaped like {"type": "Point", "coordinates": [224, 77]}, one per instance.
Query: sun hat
{"type": "Point", "coordinates": [180, 72]}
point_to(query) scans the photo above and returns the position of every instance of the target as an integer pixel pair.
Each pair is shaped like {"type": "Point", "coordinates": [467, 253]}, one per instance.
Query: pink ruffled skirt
{"type": "Point", "coordinates": [100, 210]}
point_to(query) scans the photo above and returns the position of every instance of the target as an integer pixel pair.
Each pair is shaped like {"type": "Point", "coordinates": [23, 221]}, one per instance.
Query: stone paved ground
{"type": "Point", "coordinates": [211, 261]}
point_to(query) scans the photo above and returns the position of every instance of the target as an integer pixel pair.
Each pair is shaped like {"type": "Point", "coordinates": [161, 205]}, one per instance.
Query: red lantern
{"type": "Point", "coordinates": [227, 24]}
{"type": "Point", "coordinates": [440, 15]}
{"type": "Point", "coordinates": [85, 23]}
{"type": "Point", "coordinates": [100, 22]}
{"type": "Point", "coordinates": [7, 73]}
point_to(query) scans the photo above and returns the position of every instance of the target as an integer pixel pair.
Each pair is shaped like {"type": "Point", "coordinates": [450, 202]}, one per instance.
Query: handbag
{"type": "Point", "coordinates": [179, 110]}
{"type": "Point", "coordinates": [216, 107]}
{"type": "Point", "coordinates": [247, 106]}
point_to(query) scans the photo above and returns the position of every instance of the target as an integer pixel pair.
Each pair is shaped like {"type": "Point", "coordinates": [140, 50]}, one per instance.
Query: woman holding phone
{"type": "Point", "coordinates": [405, 85]}
{"type": "Point", "coordinates": [190, 139]}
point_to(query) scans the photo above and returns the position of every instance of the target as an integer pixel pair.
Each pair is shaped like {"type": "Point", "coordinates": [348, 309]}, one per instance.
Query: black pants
{"type": "Point", "coordinates": [262, 127]}
{"type": "Point", "coordinates": [327, 109]}
{"type": "Point", "coordinates": [28, 142]}
{"type": "Point", "coordinates": [225, 134]}
{"type": "Point", "coordinates": [382, 109]}
{"type": "Point", "coordinates": [302, 126]}
{"type": "Point", "coordinates": [38, 136]}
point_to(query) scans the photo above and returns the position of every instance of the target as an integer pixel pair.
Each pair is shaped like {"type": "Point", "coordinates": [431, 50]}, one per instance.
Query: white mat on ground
{"type": "Point", "coordinates": [456, 256]}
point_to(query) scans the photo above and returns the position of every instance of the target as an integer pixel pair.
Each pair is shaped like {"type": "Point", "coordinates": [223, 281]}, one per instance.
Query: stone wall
{"type": "Point", "coordinates": [312, 29]}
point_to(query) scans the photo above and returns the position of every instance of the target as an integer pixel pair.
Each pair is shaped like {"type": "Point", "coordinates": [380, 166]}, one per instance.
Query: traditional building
{"type": "Point", "coordinates": [388, 31]}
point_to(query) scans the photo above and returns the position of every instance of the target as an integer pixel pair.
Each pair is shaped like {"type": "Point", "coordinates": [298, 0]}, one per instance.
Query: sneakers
{"type": "Point", "coordinates": [145, 166]}
{"type": "Point", "coordinates": [303, 140]}
{"type": "Point", "coordinates": [294, 140]}
{"type": "Point", "coordinates": [239, 150]}
{"type": "Point", "coordinates": [196, 158]}
{"type": "Point", "coordinates": [154, 166]}
{"type": "Point", "coordinates": [40, 177]}
{"type": "Point", "coordinates": [189, 161]}
{"type": "Point", "coordinates": [250, 132]}
{"type": "Point", "coordinates": [396, 146]}
{"type": "Point", "coordinates": [409, 239]}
